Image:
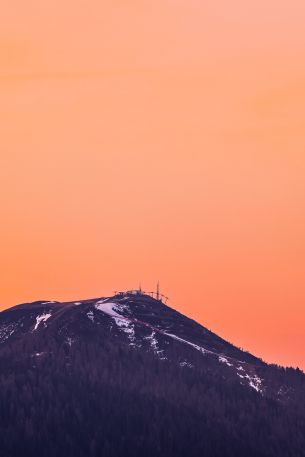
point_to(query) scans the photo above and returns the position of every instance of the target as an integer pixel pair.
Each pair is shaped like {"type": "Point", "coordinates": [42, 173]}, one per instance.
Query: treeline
{"type": "Point", "coordinates": [106, 400]}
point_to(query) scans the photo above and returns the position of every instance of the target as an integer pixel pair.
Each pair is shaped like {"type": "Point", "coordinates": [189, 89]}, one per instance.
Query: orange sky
{"type": "Point", "coordinates": [145, 140]}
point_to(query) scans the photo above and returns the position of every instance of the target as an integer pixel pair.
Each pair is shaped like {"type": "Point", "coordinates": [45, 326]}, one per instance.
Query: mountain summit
{"type": "Point", "coordinates": [127, 375]}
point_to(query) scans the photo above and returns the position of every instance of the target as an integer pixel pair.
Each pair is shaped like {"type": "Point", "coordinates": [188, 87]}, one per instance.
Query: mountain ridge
{"type": "Point", "coordinates": [132, 310]}
{"type": "Point", "coordinates": [133, 358]}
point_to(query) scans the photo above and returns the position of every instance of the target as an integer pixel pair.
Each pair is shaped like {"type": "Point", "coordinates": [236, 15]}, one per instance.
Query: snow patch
{"type": "Point", "coordinates": [225, 360]}
{"type": "Point", "coordinates": [199, 348]}
{"type": "Point", "coordinates": [7, 330]}
{"type": "Point", "coordinates": [126, 327]}
{"type": "Point", "coordinates": [90, 316]}
{"type": "Point", "coordinates": [77, 303]}
{"type": "Point", "coordinates": [110, 308]}
{"type": "Point", "coordinates": [41, 318]}
{"type": "Point", "coordinates": [70, 341]}
{"type": "Point", "coordinates": [154, 343]}
{"type": "Point", "coordinates": [122, 322]}
{"type": "Point", "coordinates": [186, 364]}
{"type": "Point", "coordinates": [254, 381]}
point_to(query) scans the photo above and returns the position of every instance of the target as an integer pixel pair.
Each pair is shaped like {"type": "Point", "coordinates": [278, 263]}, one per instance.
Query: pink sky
{"type": "Point", "coordinates": [158, 140]}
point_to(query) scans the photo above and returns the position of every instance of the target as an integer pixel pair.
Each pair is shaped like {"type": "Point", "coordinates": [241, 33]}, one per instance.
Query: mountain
{"type": "Point", "coordinates": [129, 376]}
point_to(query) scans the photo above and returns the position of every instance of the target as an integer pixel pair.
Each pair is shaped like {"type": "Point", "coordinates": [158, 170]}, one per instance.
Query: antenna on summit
{"type": "Point", "coordinates": [158, 291]}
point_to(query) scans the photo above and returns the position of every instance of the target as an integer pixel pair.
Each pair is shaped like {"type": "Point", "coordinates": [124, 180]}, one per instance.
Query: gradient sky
{"type": "Point", "coordinates": [164, 139]}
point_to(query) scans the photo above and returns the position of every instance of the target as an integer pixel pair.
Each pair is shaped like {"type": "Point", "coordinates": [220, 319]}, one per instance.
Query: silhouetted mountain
{"type": "Point", "coordinates": [129, 376]}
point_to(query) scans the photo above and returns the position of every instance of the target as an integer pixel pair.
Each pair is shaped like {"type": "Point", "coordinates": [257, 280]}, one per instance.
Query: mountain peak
{"type": "Point", "coordinates": [132, 345]}
{"type": "Point", "coordinates": [142, 322]}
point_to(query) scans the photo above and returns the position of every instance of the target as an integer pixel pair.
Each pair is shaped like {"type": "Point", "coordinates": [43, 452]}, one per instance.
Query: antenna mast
{"type": "Point", "coordinates": [158, 291]}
